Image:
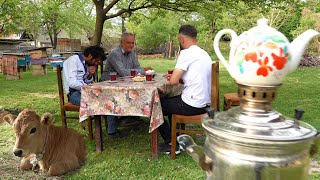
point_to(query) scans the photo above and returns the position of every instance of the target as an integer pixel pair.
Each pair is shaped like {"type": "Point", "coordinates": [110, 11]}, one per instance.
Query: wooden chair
{"type": "Point", "coordinates": [96, 76]}
{"type": "Point", "coordinates": [67, 106]}
{"type": "Point", "coordinates": [230, 99]}
{"type": "Point", "coordinates": [197, 118]}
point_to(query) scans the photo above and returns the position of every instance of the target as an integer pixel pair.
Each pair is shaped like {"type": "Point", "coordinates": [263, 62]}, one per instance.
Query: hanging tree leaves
{"type": "Point", "coordinates": [108, 9]}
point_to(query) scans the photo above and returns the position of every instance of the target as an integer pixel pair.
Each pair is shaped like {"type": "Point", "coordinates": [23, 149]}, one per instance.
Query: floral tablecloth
{"type": "Point", "coordinates": [127, 98]}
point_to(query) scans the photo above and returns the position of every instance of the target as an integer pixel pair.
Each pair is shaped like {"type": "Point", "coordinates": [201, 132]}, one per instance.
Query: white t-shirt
{"type": "Point", "coordinates": [196, 64]}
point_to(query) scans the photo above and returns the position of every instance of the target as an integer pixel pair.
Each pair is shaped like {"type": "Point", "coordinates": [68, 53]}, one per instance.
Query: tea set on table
{"type": "Point", "coordinates": [148, 78]}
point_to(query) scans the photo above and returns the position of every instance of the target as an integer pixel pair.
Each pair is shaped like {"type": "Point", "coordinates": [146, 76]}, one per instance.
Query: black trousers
{"type": "Point", "coordinates": [175, 105]}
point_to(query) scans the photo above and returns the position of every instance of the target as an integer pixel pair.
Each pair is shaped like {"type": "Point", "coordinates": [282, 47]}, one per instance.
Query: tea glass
{"type": "Point", "coordinates": [149, 77]}
{"type": "Point", "coordinates": [113, 76]}
{"type": "Point", "coordinates": [133, 72]}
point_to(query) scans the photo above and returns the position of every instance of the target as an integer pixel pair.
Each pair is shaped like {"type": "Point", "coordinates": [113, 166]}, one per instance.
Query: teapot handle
{"type": "Point", "coordinates": [217, 50]}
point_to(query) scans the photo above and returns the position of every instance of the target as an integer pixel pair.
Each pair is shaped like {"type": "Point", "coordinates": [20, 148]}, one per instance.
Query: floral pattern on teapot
{"type": "Point", "coordinates": [276, 59]}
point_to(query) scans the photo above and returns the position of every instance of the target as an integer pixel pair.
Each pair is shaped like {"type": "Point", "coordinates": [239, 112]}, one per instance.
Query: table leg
{"type": "Point", "coordinates": [154, 142]}
{"type": "Point", "coordinates": [98, 133]}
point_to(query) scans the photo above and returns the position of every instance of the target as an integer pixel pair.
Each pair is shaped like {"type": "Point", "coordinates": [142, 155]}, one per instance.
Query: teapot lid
{"type": "Point", "coordinates": [262, 21]}
{"type": "Point", "coordinates": [272, 126]}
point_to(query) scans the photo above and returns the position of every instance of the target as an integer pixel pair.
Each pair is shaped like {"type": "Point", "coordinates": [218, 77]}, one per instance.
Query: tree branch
{"type": "Point", "coordinates": [95, 2]}
{"type": "Point", "coordinates": [110, 5]}
{"type": "Point", "coordinates": [3, 4]}
{"type": "Point", "coordinates": [122, 11]}
{"type": "Point", "coordinates": [177, 6]}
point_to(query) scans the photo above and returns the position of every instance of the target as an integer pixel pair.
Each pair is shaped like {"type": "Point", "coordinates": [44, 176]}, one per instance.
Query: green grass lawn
{"type": "Point", "coordinates": [130, 157]}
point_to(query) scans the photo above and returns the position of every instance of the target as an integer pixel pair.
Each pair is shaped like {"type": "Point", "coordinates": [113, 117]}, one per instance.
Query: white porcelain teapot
{"type": "Point", "coordinates": [262, 55]}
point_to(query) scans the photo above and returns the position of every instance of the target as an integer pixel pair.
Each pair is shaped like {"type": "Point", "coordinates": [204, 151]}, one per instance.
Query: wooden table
{"type": "Point", "coordinates": [126, 98]}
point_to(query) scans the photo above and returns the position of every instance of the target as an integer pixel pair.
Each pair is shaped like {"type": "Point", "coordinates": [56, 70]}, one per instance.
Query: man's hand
{"type": "Point", "coordinates": [92, 69]}
{"type": "Point", "coordinates": [168, 76]}
{"type": "Point", "coordinates": [175, 77]}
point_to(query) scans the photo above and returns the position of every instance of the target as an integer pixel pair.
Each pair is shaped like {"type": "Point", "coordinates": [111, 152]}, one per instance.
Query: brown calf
{"type": "Point", "coordinates": [56, 150]}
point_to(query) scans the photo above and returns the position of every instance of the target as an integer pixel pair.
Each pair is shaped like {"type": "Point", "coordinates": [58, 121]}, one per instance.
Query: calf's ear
{"type": "Point", "coordinates": [46, 119]}
{"type": "Point", "coordinates": [9, 118]}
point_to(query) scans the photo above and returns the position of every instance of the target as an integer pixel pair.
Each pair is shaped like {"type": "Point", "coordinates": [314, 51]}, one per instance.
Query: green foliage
{"type": "Point", "coordinates": [53, 16]}
{"type": "Point", "coordinates": [80, 18]}
{"type": "Point", "coordinates": [156, 30]}
{"type": "Point", "coordinates": [291, 24]}
{"type": "Point", "coordinates": [9, 11]}
{"type": "Point", "coordinates": [210, 18]}
{"type": "Point", "coordinates": [30, 19]}
{"type": "Point", "coordinates": [309, 20]}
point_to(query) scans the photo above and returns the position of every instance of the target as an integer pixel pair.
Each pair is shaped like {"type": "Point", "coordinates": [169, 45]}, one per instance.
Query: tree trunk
{"type": "Point", "coordinates": [50, 35]}
{"type": "Point", "coordinates": [100, 18]}
{"type": "Point", "coordinates": [170, 46]}
{"type": "Point", "coordinates": [123, 26]}
{"type": "Point", "coordinates": [55, 40]}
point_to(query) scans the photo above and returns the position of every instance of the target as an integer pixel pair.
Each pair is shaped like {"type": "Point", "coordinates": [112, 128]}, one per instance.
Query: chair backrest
{"type": "Point", "coordinates": [96, 75]}
{"type": "Point", "coordinates": [60, 85]}
{"type": "Point", "coordinates": [215, 93]}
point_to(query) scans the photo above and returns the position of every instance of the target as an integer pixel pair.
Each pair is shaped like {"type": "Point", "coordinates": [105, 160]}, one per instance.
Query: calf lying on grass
{"type": "Point", "coordinates": [55, 150]}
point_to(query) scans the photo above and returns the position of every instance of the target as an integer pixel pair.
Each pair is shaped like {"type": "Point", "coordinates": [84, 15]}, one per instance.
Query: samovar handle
{"type": "Point", "coordinates": [196, 152]}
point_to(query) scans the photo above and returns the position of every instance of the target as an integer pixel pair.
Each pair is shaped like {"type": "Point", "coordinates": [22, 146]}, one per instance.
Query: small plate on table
{"type": "Point", "coordinates": [139, 79]}
{"type": "Point", "coordinates": [111, 81]}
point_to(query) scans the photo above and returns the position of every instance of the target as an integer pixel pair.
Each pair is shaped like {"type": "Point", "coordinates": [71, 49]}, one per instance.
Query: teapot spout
{"type": "Point", "coordinates": [196, 152]}
{"type": "Point", "coordinates": [298, 46]}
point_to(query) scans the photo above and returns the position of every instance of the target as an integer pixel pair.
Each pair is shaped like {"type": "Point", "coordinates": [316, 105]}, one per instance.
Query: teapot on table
{"type": "Point", "coordinates": [262, 55]}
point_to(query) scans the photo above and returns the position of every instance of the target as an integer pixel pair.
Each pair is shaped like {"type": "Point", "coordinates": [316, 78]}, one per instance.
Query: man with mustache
{"type": "Point", "coordinates": [122, 60]}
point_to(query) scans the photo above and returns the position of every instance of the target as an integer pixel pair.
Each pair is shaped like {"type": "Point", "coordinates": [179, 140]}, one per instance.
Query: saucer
{"type": "Point", "coordinates": [111, 81]}
{"type": "Point", "coordinates": [149, 82]}
{"type": "Point", "coordinates": [125, 77]}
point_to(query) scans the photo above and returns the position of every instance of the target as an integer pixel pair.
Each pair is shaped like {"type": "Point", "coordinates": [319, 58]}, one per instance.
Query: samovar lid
{"type": "Point", "coordinates": [256, 119]}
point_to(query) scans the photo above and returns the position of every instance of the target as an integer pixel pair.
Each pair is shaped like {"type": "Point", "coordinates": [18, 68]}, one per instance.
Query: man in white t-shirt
{"type": "Point", "coordinates": [194, 69]}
